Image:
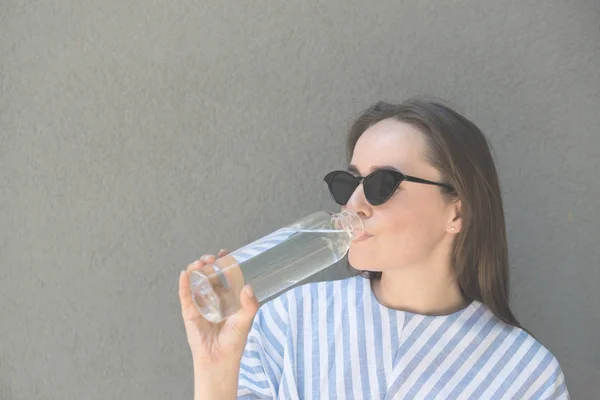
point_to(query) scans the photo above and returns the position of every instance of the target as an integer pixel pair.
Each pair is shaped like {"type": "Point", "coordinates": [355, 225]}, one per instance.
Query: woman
{"type": "Point", "coordinates": [428, 315]}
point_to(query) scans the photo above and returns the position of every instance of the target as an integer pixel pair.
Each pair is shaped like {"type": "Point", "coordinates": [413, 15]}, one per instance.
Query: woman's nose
{"type": "Point", "coordinates": [358, 203]}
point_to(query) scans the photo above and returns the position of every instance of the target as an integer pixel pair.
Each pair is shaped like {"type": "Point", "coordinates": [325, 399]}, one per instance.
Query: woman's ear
{"type": "Point", "coordinates": [455, 222]}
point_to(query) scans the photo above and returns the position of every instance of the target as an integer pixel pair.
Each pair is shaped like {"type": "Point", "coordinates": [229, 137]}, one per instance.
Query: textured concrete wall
{"type": "Point", "coordinates": [137, 135]}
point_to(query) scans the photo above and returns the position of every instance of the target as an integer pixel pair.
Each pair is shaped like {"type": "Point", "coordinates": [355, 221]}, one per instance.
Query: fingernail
{"type": "Point", "coordinates": [249, 291]}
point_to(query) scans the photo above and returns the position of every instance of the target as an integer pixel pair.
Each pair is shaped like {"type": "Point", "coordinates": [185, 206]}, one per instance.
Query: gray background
{"type": "Point", "coordinates": [138, 135]}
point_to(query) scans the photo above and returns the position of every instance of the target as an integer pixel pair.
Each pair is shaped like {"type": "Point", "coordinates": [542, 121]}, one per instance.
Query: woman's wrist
{"type": "Point", "coordinates": [216, 381]}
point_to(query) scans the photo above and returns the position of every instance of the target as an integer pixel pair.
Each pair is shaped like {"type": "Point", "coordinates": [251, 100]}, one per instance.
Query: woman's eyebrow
{"type": "Point", "coordinates": [353, 169]}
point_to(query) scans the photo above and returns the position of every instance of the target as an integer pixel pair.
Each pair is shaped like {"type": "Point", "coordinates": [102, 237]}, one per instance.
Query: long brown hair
{"type": "Point", "coordinates": [460, 151]}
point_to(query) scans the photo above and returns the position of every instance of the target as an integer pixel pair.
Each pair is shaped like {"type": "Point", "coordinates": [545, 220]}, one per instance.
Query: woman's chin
{"type": "Point", "coordinates": [362, 263]}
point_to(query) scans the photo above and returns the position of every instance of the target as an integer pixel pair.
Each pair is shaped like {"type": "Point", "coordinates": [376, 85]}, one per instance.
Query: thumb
{"type": "Point", "coordinates": [241, 322]}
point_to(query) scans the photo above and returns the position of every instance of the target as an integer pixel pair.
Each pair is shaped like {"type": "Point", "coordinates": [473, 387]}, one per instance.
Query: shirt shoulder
{"type": "Point", "coordinates": [517, 363]}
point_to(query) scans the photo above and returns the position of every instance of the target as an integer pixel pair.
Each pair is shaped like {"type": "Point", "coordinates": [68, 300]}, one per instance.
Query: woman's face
{"type": "Point", "coordinates": [409, 228]}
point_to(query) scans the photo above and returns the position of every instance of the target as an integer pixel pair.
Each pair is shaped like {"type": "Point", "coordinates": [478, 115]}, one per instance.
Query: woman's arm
{"type": "Point", "coordinates": [217, 349]}
{"type": "Point", "coordinates": [216, 382]}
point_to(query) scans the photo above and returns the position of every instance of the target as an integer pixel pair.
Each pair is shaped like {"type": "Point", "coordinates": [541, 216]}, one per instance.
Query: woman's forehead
{"type": "Point", "coordinates": [389, 143]}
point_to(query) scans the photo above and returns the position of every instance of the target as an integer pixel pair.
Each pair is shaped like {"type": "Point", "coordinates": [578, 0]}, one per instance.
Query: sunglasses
{"type": "Point", "coordinates": [378, 186]}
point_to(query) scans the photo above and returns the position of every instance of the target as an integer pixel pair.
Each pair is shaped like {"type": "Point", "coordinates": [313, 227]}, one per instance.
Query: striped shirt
{"type": "Point", "coordinates": [334, 340]}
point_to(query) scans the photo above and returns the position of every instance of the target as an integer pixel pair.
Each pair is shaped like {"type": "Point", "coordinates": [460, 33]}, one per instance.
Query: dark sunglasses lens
{"type": "Point", "coordinates": [380, 186]}
{"type": "Point", "coordinates": [342, 185]}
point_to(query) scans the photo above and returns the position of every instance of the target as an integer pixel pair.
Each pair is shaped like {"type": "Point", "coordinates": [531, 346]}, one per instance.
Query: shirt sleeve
{"type": "Point", "coordinates": [262, 362]}
{"type": "Point", "coordinates": [547, 383]}
{"type": "Point", "coordinates": [556, 388]}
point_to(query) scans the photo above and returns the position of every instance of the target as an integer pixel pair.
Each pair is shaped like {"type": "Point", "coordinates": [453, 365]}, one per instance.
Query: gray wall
{"type": "Point", "coordinates": [138, 135]}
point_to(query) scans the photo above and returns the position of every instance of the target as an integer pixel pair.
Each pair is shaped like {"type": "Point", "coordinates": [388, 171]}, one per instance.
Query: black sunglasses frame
{"type": "Point", "coordinates": [398, 176]}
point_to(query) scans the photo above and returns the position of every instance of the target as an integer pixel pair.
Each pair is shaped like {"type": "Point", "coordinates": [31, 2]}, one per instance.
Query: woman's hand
{"type": "Point", "coordinates": [215, 344]}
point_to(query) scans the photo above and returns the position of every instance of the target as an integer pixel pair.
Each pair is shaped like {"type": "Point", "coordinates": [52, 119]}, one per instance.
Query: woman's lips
{"type": "Point", "coordinates": [363, 237]}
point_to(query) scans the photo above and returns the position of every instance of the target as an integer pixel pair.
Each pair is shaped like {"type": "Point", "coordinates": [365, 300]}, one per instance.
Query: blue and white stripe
{"type": "Point", "coordinates": [334, 340]}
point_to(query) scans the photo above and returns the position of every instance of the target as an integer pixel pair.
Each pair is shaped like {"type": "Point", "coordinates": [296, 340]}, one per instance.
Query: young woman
{"type": "Point", "coordinates": [427, 317]}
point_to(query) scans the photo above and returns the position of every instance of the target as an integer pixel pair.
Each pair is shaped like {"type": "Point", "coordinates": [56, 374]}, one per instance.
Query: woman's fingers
{"type": "Point", "coordinates": [223, 253]}
{"type": "Point", "coordinates": [188, 308]}
{"type": "Point", "coordinates": [249, 302]}
{"type": "Point", "coordinates": [241, 321]}
{"type": "Point", "coordinates": [203, 265]}
{"type": "Point", "coordinates": [193, 320]}
{"type": "Point", "coordinates": [208, 340]}
{"type": "Point", "coordinates": [185, 295]}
